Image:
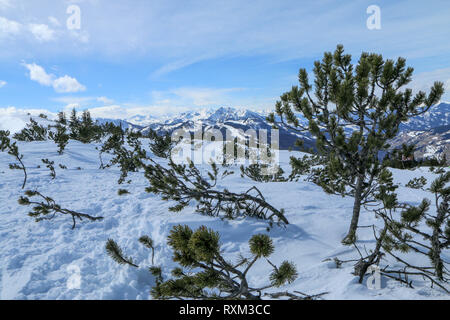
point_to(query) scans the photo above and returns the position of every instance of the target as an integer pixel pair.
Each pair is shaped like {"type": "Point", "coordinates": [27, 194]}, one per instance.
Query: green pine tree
{"type": "Point", "coordinates": [127, 153]}
{"type": "Point", "coordinates": [32, 132]}
{"type": "Point", "coordinates": [418, 230]}
{"type": "Point", "coordinates": [50, 166]}
{"type": "Point", "coordinates": [62, 120]}
{"type": "Point", "coordinates": [367, 97]}
{"type": "Point", "coordinates": [160, 145]}
{"type": "Point", "coordinates": [88, 131]}
{"type": "Point", "coordinates": [74, 124]}
{"type": "Point", "coordinates": [204, 272]}
{"type": "Point", "coordinates": [12, 149]}
{"type": "Point", "coordinates": [61, 137]}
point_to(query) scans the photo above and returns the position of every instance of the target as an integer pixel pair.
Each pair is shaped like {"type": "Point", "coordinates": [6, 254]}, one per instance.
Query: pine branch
{"type": "Point", "coordinates": [297, 295]}
{"type": "Point", "coordinates": [148, 242]}
{"type": "Point", "coordinates": [115, 252]}
{"type": "Point", "coordinates": [47, 208]}
{"type": "Point", "coordinates": [13, 150]}
{"type": "Point", "coordinates": [185, 183]}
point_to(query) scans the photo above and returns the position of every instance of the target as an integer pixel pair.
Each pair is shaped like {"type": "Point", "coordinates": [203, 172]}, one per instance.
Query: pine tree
{"type": "Point", "coordinates": [127, 153]}
{"type": "Point", "coordinates": [204, 271]}
{"type": "Point", "coordinates": [346, 96]}
{"type": "Point", "coordinates": [407, 155]}
{"type": "Point", "coordinates": [88, 131]}
{"type": "Point", "coordinates": [86, 118]}
{"type": "Point", "coordinates": [50, 166]}
{"type": "Point", "coordinates": [74, 124]}
{"type": "Point", "coordinates": [62, 120]}
{"type": "Point", "coordinates": [32, 132]}
{"type": "Point", "coordinates": [407, 233]}
{"type": "Point", "coordinates": [61, 137]}
{"type": "Point", "coordinates": [161, 146]}
{"type": "Point", "coordinates": [387, 197]}
{"type": "Point", "coordinates": [122, 192]}
{"type": "Point", "coordinates": [85, 129]}
{"type": "Point", "coordinates": [11, 148]}
{"type": "Point", "coordinates": [111, 128]}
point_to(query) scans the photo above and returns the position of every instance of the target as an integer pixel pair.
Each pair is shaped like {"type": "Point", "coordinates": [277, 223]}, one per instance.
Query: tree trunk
{"type": "Point", "coordinates": [435, 252]}
{"type": "Point", "coordinates": [351, 235]}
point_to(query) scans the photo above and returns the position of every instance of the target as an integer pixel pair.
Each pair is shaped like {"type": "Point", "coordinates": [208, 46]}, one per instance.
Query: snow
{"type": "Point", "coordinates": [14, 120]}
{"type": "Point", "coordinates": [12, 124]}
{"type": "Point", "coordinates": [414, 133]}
{"type": "Point", "coordinates": [39, 259]}
{"type": "Point", "coordinates": [430, 151]}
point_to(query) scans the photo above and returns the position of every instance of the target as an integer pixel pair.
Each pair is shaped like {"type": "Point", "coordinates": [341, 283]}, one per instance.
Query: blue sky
{"type": "Point", "coordinates": [159, 57]}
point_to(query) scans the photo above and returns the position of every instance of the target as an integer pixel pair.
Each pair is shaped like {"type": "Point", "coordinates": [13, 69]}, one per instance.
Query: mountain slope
{"type": "Point", "coordinates": [429, 133]}
{"type": "Point", "coordinates": [231, 119]}
{"type": "Point", "coordinates": [429, 144]}
{"type": "Point", "coordinates": [437, 116]}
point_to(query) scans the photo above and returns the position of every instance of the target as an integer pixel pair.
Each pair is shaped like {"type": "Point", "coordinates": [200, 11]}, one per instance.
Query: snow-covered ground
{"type": "Point", "coordinates": [42, 260]}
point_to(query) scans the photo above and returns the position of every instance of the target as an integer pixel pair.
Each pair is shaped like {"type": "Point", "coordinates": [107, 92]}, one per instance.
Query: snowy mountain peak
{"type": "Point", "coordinates": [437, 116]}
{"type": "Point", "coordinates": [224, 114]}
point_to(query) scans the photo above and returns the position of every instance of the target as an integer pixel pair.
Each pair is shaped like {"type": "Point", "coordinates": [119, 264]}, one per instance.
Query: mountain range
{"type": "Point", "coordinates": [429, 132]}
{"type": "Point", "coordinates": [223, 119]}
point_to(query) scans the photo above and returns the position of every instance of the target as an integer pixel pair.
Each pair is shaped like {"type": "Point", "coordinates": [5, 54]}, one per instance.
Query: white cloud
{"type": "Point", "coordinates": [2, 83]}
{"type": "Point", "coordinates": [54, 21]}
{"type": "Point", "coordinates": [14, 119]}
{"type": "Point", "coordinates": [175, 65]}
{"type": "Point", "coordinates": [75, 100]}
{"type": "Point", "coordinates": [38, 74]}
{"type": "Point", "coordinates": [9, 27]}
{"type": "Point", "coordinates": [195, 97]}
{"type": "Point", "coordinates": [105, 100]}
{"type": "Point", "coordinates": [424, 81]}
{"type": "Point", "coordinates": [83, 102]}
{"type": "Point", "coordinates": [42, 32]}
{"type": "Point", "coordinates": [200, 97]}
{"type": "Point", "coordinates": [110, 112]}
{"type": "Point", "coordinates": [4, 4]}
{"type": "Point", "coordinates": [128, 112]}
{"type": "Point", "coordinates": [65, 84]}
{"type": "Point", "coordinates": [81, 36]}
{"type": "Point", "coordinates": [71, 106]}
